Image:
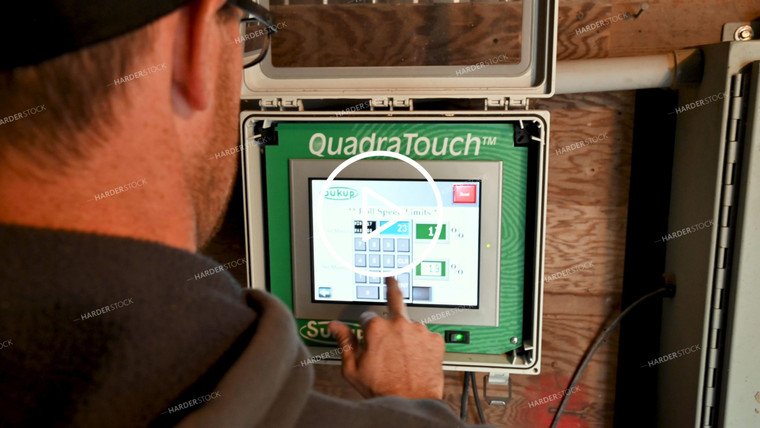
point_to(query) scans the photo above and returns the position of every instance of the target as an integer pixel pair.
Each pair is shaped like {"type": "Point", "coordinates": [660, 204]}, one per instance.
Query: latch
{"type": "Point", "coordinates": [497, 379]}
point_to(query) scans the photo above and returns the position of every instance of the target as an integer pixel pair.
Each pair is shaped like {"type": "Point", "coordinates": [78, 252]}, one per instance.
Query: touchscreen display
{"type": "Point", "coordinates": [385, 227]}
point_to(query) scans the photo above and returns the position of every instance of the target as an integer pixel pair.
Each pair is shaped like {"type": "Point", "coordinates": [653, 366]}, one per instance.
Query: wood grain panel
{"type": "Point", "coordinates": [573, 41]}
{"type": "Point", "coordinates": [669, 25]}
{"type": "Point", "coordinates": [352, 35]}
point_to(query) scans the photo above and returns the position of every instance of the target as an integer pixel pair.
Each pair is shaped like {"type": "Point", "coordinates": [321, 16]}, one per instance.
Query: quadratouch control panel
{"type": "Point", "coordinates": [367, 167]}
{"type": "Point", "coordinates": [381, 238]}
{"type": "Point", "coordinates": [452, 209]}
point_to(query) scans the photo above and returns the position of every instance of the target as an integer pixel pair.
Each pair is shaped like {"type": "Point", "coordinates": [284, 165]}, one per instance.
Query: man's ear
{"type": "Point", "coordinates": [193, 52]}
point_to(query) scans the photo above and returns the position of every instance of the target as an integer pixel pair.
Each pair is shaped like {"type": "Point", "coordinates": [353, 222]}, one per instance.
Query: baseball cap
{"type": "Point", "coordinates": [33, 32]}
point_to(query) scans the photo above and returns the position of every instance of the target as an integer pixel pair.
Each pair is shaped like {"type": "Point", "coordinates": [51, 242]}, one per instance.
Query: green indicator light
{"type": "Point", "coordinates": [488, 245]}
{"type": "Point", "coordinates": [457, 337]}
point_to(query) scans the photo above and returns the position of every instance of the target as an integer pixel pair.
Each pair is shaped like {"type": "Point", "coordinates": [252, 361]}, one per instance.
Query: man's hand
{"type": "Point", "coordinates": [398, 357]}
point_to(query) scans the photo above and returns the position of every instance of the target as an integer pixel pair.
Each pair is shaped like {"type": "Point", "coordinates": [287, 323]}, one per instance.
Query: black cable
{"type": "Point", "coordinates": [465, 397]}
{"type": "Point", "coordinates": [599, 340]}
{"type": "Point", "coordinates": [477, 398]}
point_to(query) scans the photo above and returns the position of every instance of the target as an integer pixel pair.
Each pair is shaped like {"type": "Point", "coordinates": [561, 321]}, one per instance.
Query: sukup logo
{"type": "Point", "coordinates": [316, 331]}
{"type": "Point", "coordinates": [340, 193]}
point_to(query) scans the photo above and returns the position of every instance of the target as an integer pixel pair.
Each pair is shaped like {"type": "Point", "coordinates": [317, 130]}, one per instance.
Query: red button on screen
{"type": "Point", "coordinates": [465, 193]}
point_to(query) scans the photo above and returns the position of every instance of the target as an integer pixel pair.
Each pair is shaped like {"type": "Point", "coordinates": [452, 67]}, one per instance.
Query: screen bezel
{"type": "Point", "coordinates": [489, 173]}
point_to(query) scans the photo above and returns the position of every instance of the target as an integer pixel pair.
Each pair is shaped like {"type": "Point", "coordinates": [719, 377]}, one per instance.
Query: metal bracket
{"type": "Point", "coordinates": [500, 379]}
{"type": "Point", "coordinates": [740, 31]}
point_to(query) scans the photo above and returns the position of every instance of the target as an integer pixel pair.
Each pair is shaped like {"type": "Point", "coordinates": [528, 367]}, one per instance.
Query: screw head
{"type": "Point", "coordinates": [743, 33]}
{"type": "Point", "coordinates": [514, 340]}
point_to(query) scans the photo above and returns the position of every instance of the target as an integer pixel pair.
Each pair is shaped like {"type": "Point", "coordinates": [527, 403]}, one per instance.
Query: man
{"type": "Point", "coordinates": [110, 112]}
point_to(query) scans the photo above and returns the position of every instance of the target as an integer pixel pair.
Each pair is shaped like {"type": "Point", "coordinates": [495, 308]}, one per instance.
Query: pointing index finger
{"type": "Point", "coordinates": [396, 304]}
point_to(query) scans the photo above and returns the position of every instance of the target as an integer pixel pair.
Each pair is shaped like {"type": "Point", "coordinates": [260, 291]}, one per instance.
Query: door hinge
{"type": "Point", "coordinates": [281, 104]}
{"type": "Point", "coordinates": [391, 103]}
{"type": "Point", "coordinates": [722, 262]}
{"type": "Point", "coordinates": [506, 103]}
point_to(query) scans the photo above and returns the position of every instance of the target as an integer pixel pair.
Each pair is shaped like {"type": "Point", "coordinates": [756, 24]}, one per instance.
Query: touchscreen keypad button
{"type": "Point", "coordinates": [359, 278]}
{"type": "Point", "coordinates": [360, 260]}
{"type": "Point", "coordinates": [360, 245]}
{"type": "Point", "coordinates": [374, 244]}
{"type": "Point", "coordinates": [402, 261]}
{"type": "Point", "coordinates": [374, 260]}
{"type": "Point", "coordinates": [366, 292]}
{"type": "Point", "coordinates": [404, 291]}
{"type": "Point", "coordinates": [375, 279]}
{"type": "Point", "coordinates": [388, 261]}
{"type": "Point", "coordinates": [388, 244]}
{"type": "Point", "coordinates": [403, 278]}
{"type": "Point", "coordinates": [403, 245]}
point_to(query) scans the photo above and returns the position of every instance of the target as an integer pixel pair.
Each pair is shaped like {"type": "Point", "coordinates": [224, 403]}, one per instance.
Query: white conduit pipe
{"type": "Point", "coordinates": [618, 74]}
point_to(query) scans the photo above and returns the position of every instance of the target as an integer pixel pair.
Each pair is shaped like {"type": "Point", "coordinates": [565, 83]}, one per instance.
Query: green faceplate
{"type": "Point", "coordinates": [295, 141]}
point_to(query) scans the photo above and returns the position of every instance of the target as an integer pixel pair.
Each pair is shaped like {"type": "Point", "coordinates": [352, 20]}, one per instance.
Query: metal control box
{"type": "Point", "coordinates": [446, 85]}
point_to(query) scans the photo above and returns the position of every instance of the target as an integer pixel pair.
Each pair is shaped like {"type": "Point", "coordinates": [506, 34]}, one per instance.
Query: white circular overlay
{"type": "Point", "coordinates": [341, 167]}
